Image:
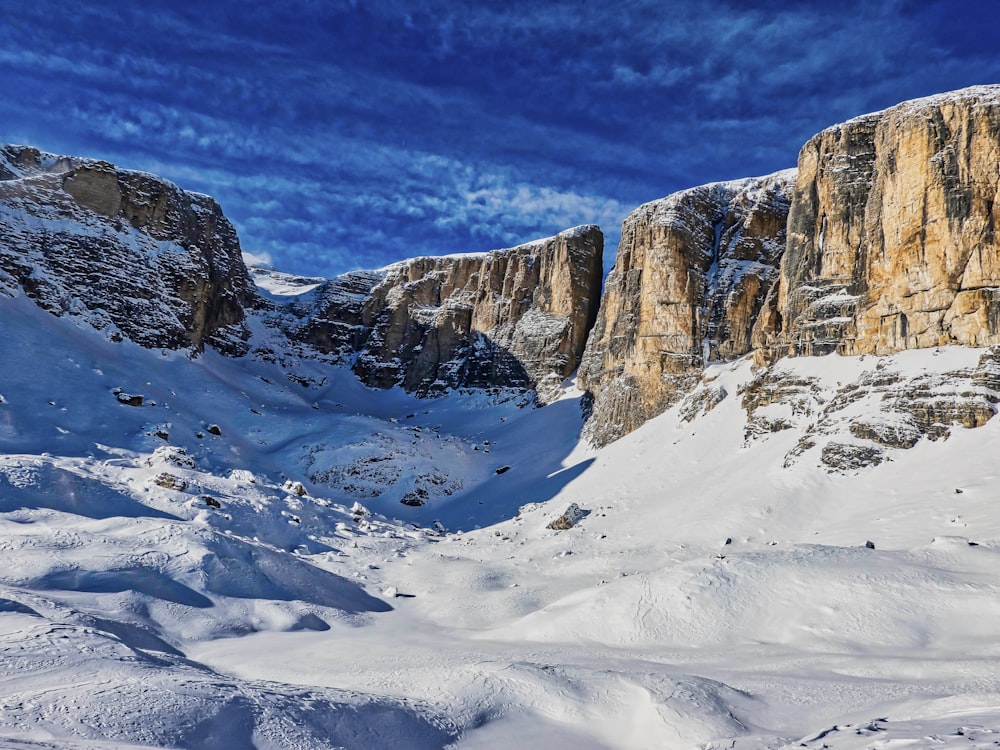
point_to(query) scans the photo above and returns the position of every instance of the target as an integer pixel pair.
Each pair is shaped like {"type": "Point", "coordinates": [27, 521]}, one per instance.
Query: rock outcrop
{"type": "Point", "coordinates": [882, 406]}
{"type": "Point", "coordinates": [891, 245]}
{"type": "Point", "coordinates": [132, 253]}
{"type": "Point", "coordinates": [691, 275]}
{"type": "Point", "coordinates": [892, 239]}
{"type": "Point", "coordinates": [515, 318]}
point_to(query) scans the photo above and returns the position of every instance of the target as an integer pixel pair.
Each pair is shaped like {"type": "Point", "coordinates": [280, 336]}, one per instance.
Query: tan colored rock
{"type": "Point", "coordinates": [692, 272]}
{"type": "Point", "coordinates": [892, 233]}
{"type": "Point", "coordinates": [170, 481]}
{"type": "Point", "coordinates": [95, 185]}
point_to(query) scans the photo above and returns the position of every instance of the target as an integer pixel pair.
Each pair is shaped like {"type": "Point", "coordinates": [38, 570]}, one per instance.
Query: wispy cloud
{"type": "Point", "coordinates": [340, 134]}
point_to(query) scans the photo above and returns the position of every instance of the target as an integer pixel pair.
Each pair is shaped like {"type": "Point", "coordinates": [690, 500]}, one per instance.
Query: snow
{"type": "Point", "coordinates": [713, 595]}
{"type": "Point", "coordinates": [275, 284]}
{"type": "Point", "coordinates": [985, 95]}
{"type": "Point", "coordinates": [672, 211]}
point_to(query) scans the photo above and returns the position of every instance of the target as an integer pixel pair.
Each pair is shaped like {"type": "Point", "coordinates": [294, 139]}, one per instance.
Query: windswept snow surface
{"type": "Point", "coordinates": [165, 583]}
{"type": "Point", "coordinates": [274, 284]}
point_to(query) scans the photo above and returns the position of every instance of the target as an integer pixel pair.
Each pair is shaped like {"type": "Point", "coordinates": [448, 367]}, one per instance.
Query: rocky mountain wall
{"type": "Point", "coordinates": [890, 245]}
{"type": "Point", "coordinates": [516, 318]}
{"type": "Point", "coordinates": [132, 253]}
{"type": "Point", "coordinates": [892, 233]}
{"type": "Point", "coordinates": [691, 275]}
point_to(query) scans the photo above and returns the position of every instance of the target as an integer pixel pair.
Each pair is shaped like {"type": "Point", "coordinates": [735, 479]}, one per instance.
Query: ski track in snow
{"type": "Point", "coordinates": [188, 597]}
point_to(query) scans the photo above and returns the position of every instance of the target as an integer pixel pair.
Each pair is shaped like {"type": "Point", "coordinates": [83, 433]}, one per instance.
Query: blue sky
{"type": "Point", "coordinates": [339, 135]}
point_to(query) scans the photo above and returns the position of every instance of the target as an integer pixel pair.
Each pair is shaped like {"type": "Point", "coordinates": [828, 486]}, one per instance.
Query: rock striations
{"type": "Point", "coordinates": [892, 239]}
{"type": "Point", "coordinates": [691, 275]}
{"type": "Point", "coordinates": [132, 253]}
{"type": "Point", "coordinates": [514, 318]}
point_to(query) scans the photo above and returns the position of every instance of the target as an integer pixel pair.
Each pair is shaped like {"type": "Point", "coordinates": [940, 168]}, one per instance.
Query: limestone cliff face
{"type": "Point", "coordinates": [508, 318]}
{"type": "Point", "coordinates": [130, 252]}
{"type": "Point", "coordinates": [691, 275]}
{"type": "Point", "coordinates": [892, 239]}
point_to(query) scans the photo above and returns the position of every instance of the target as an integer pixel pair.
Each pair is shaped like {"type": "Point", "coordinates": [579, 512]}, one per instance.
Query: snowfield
{"type": "Point", "coordinates": [167, 583]}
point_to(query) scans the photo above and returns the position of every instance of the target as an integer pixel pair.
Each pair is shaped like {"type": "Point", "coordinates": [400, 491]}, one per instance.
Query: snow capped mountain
{"type": "Point", "coordinates": [334, 513]}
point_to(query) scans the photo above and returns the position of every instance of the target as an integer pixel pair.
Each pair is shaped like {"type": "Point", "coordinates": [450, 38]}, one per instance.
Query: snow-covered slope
{"type": "Point", "coordinates": [181, 591]}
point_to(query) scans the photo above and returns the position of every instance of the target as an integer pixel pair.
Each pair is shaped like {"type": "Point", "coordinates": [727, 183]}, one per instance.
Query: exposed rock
{"type": "Point", "coordinates": [570, 518]}
{"type": "Point", "coordinates": [850, 456]}
{"type": "Point", "coordinates": [141, 259]}
{"type": "Point", "coordinates": [214, 429]}
{"type": "Point", "coordinates": [691, 274]}
{"type": "Point", "coordinates": [508, 318]}
{"type": "Point", "coordinates": [701, 401]}
{"type": "Point", "coordinates": [171, 454]}
{"type": "Point", "coordinates": [773, 386]}
{"type": "Point", "coordinates": [901, 434]}
{"type": "Point", "coordinates": [415, 497]}
{"type": "Point", "coordinates": [295, 488]}
{"type": "Point", "coordinates": [332, 320]}
{"type": "Point", "coordinates": [129, 252]}
{"type": "Point", "coordinates": [515, 318]}
{"type": "Point", "coordinates": [891, 234]}
{"type": "Point", "coordinates": [882, 408]}
{"type": "Point", "coordinates": [170, 482]}
{"type": "Point", "coordinates": [128, 399]}
{"type": "Point", "coordinates": [891, 245]}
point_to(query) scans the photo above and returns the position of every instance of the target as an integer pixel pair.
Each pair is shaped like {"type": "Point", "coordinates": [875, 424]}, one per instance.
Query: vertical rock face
{"type": "Point", "coordinates": [892, 233]}
{"type": "Point", "coordinates": [691, 275]}
{"type": "Point", "coordinates": [125, 250]}
{"type": "Point", "coordinates": [508, 318]}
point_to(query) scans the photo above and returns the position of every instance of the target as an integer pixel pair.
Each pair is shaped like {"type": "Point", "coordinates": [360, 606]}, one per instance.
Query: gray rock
{"type": "Point", "coordinates": [514, 318]}
{"type": "Point", "coordinates": [129, 252]}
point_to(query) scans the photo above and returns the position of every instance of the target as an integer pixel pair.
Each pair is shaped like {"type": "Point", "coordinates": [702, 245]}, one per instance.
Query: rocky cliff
{"type": "Point", "coordinates": [892, 233]}
{"type": "Point", "coordinates": [508, 318]}
{"type": "Point", "coordinates": [691, 275]}
{"type": "Point", "coordinates": [132, 253]}
{"type": "Point", "coordinates": [891, 245]}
